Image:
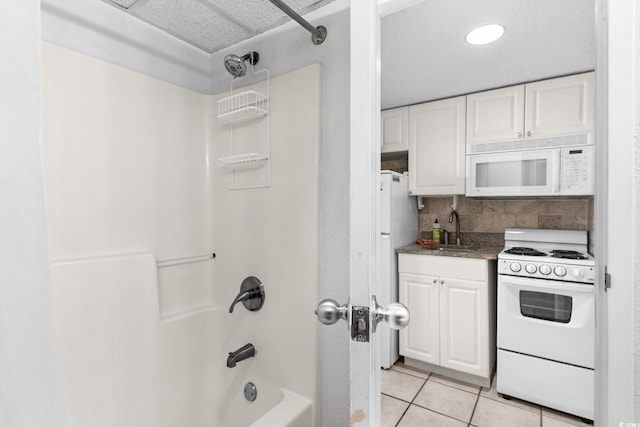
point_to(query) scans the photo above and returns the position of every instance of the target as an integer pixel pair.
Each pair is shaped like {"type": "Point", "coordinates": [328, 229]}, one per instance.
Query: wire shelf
{"type": "Point", "coordinates": [243, 161]}
{"type": "Point", "coordinates": [242, 107]}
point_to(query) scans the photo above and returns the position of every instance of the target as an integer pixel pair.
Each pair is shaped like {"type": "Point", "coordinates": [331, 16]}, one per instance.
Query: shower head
{"type": "Point", "coordinates": [236, 66]}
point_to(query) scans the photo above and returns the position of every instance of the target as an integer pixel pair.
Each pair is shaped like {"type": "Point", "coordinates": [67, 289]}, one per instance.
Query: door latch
{"type": "Point", "coordinates": [360, 319]}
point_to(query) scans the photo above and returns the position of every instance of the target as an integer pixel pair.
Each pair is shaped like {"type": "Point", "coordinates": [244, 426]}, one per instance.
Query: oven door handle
{"type": "Point", "coordinates": [552, 286]}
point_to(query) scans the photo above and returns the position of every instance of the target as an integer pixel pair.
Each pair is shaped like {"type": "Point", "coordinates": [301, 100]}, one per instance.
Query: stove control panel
{"type": "Point", "coordinates": [547, 270]}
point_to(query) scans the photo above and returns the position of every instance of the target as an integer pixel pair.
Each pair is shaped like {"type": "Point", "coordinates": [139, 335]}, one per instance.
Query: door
{"type": "Point", "coordinates": [560, 106]}
{"type": "Point", "coordinates": [495, 115]}
{"type": "Point", "coordinates": [539, 317]}
{"type": "Point", "coordinates": [395, 130]}
{"type": "Point", "coordinates": [464, 315]}
{"type": "Point", "coordinates": [421, 295]}
{"type": "Point", "coordinates": [437, 147]}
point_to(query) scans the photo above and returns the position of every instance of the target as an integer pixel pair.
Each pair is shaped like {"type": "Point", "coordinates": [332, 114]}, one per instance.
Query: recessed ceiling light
{"type": "Point", "coordinates": [485, 34]}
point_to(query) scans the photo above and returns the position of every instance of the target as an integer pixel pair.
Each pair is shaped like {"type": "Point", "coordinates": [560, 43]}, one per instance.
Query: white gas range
{"type": "Point", "coordinates": [546, 319]}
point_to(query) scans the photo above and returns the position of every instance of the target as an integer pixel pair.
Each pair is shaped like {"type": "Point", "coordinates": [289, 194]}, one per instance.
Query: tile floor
{"type": "Point", "coordinates": [412, 398]}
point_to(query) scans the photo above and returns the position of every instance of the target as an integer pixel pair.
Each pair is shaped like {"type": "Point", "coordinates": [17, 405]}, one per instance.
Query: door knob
{"type": "Point", "coordinates": [395, 315]}
{"type": "Point", "coordinates": [329, 312]}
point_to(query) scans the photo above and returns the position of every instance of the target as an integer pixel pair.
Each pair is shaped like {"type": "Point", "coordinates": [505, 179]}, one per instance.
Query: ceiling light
{"type": "Point", "coordinates": [485, 34]}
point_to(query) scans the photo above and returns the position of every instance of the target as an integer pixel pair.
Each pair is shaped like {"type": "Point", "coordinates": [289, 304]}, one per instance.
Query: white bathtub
{"type": "Point", "coordinates": [273, 407]}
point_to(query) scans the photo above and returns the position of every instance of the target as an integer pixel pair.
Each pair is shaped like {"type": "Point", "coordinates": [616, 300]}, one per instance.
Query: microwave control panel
{"type": "Point", "coordinates": [577, 170]}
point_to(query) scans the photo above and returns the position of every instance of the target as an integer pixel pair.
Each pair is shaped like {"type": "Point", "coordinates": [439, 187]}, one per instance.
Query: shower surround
{"type": "Point", "coordinates": [137, 207]}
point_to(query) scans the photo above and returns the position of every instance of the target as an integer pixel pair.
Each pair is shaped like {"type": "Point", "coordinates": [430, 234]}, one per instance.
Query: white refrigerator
{"type": "Point", "coordinates": [398, 224]}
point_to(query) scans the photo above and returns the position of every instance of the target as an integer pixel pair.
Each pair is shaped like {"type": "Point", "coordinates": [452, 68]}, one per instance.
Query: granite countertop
{"type": "Point", "coordinates": [469, 251]}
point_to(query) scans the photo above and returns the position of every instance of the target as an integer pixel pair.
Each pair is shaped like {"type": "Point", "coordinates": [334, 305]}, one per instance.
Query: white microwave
{"type": "Point", "coordinates": [559, 171]}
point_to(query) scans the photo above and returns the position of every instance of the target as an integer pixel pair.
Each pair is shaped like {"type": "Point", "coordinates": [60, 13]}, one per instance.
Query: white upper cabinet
{"type": "Point", "coordinates": [546, 108]}
{"type": "Point", "coordinates": [560, 106]}
{"type": "Point", "coordinates": [495, 115]}
{"type": "Point", "coordinates": [437, 147]}
{"type": "Point", "coordinates": [395, 130]}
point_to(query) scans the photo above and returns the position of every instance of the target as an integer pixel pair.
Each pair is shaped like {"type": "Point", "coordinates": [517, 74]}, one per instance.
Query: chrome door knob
{"type": "Point", "coordinates": [329, 312]}
{"type": "Point", "coordinates": [395, 315]}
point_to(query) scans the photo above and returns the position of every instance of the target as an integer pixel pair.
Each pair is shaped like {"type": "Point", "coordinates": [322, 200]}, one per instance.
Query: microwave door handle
{"type": "Point", "coordinates": [556, 173]}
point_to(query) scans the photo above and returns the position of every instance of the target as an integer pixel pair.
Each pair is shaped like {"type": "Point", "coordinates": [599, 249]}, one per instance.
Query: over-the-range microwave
{"type": "Point", "coordinates": [557, 166]}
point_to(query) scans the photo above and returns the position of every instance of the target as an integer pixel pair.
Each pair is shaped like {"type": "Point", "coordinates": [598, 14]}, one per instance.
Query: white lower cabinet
{"type": "Point", "coordinates": [452, 305]}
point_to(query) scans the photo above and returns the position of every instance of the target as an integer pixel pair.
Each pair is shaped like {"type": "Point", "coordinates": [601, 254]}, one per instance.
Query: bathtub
{"type": "Point", "coordinates": [274, 406]}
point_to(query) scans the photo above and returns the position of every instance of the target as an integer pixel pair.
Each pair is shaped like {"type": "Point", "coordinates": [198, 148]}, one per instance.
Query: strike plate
{"type": "Point", "coordinates": [360, 324]}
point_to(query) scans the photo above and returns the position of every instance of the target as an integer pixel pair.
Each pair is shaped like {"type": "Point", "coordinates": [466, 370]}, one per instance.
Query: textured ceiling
{"type": "Point", "coordinates": [424, 55]}
{"type": "Point", "coordinates": [211, 25]}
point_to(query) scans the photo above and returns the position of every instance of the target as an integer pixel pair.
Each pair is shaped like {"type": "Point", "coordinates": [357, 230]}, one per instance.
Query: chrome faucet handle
{"type": "Point", "coordinates": [251, 295]}
{"type": "Point", "coordinates": [395, 315]}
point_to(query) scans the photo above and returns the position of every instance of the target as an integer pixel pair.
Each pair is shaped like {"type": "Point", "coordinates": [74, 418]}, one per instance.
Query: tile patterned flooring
{"type": "Point", "coordinates": [413, 398]}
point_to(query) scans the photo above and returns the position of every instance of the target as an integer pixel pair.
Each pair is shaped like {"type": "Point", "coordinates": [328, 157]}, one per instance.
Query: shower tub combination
{"type": "Point", "coordinates": [142, 332]}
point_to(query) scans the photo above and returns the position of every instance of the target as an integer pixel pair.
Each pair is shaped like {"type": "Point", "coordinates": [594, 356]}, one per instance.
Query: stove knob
{"type": "Point", "coordinates": [577, 273]}
{"type": "Point", "coordinates": [530, 268]}
{"type": "Point", "coordinates": [515, 267]}
{"type": "Point", "coordinates": [545, 269]}
{"type": "Point", "coordinates": [560, 271]}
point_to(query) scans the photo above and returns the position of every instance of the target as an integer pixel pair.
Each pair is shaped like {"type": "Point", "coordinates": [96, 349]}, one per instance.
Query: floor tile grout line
{"type": "Point", "coordinates": [474, 408]}
{"type": "Point", "coordinates": [412, 400]}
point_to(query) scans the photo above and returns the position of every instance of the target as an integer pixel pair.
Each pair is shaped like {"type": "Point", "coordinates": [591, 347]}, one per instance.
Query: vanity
{"type": "Point", "coordinates": [450, 292]}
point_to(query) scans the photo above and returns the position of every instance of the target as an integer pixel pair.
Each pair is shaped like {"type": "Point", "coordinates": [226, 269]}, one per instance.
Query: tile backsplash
{"type": "Point", "coordinates": [486, 219]}
{"type": "Point", "coordinates": [494, 215]}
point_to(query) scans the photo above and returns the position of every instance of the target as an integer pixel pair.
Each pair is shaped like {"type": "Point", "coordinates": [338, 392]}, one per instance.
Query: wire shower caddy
{"type": "Point", "coordinates": [247, 108]}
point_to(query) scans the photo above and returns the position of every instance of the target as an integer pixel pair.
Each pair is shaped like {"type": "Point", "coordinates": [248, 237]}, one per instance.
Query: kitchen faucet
{"type": "Point", "coordinates": [451, 216]}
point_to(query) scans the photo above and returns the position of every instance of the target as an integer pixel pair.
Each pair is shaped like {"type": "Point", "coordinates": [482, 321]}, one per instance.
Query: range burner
{"type": "Point", "coordinates": [524, 251]}
{"type": "Point", "coordinates": [558, 253]}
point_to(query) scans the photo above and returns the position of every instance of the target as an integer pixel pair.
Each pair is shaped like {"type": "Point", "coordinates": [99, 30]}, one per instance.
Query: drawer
{"type": "Point", "coordinates": [435, 265]}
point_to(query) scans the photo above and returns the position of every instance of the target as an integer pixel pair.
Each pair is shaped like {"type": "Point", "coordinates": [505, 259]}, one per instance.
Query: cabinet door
{"type": "Point", "coordinates": [495, 115]}
{"type": "Point", "coordinates": [464, 326]}
{"type": "Point", "coordinates": [420, 339]}
{"type": "Point", "coordinates": [437, 147]}
{"type": "Point", "coordinates": [395, 130]}
{"type": "Point", "coordinates": [560, 106]}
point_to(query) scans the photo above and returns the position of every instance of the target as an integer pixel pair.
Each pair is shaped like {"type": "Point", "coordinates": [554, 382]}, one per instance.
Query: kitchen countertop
{"type": "Point", "coordinates": [478, 251]}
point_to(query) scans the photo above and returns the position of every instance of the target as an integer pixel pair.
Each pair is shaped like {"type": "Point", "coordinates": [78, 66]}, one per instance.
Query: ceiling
{"type": "Point", "coordinates": [212, 25]}
{"type": "Point", "coordinates": [424, 55]}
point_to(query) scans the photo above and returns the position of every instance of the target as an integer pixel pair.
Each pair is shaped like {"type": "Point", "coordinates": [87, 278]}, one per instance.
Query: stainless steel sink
{"type": "Point", "coordinates": [452, 248]}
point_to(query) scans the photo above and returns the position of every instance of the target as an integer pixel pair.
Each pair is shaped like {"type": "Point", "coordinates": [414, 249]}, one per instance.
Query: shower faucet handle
{"type": "Point", "coordinates": [251, 294]}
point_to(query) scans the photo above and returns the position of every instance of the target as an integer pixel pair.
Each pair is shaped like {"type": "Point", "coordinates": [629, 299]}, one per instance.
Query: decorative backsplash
{"type": "Point", "coordinates": [484, 220]}
{"type": "Point", "coordinates": [494, 215]}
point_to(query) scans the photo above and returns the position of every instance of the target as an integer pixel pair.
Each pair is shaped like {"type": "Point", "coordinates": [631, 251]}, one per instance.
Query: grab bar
{"type": "Point", "coordinates": [185, 260]}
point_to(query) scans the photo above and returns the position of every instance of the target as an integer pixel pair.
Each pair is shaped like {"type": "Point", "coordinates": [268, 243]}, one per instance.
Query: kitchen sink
{"type": "Point", "coordinates": [452, 248]}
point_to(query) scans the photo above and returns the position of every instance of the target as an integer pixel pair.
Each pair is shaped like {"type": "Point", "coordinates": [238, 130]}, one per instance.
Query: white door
{"type": "Point", "coordinates": [560, 106]}
{"type": "Point", "coordinates": [421, 295]}
{"type": "Point", "coordinates": [495, 115]}
{"type": "Point", "coordinates": [437, 147]}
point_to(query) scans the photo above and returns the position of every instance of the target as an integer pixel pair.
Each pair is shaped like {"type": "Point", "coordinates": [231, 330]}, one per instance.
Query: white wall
{"type": "Point", "coordinates": [31, 390]}
{"type": "Point", "coordinates": [280, 52]}
{"type": "Point", "coordinates": [103, 31]}
{"type": "Point", "coordinates": [132, 184]}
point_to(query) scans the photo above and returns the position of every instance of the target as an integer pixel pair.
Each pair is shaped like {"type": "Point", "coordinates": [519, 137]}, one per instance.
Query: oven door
{"type": "Point", "coordinates": [548, 319]}
{"type": "Point", "coordinates": [515, 173]}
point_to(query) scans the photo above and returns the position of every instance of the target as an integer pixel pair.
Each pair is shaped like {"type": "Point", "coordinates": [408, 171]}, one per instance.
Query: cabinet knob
{"type": "Point", "coordinates": [435, 281]}
{"type": "Point", "coordinates": [519, 134]}
{"type": "Point", "coordinates": [528, 133]}
{"type": "Point", "coordinates": [442, 282]}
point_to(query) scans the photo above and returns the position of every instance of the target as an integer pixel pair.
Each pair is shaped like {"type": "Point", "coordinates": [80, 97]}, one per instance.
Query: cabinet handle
{"type": "Point", "coordinates": [519, 134]}
{"type": "Point", "coordinates": [528, 133]}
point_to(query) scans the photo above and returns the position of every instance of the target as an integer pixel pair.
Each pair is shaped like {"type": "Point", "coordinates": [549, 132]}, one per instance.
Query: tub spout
{"type": "Point", "coordinates": [244, 352]}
